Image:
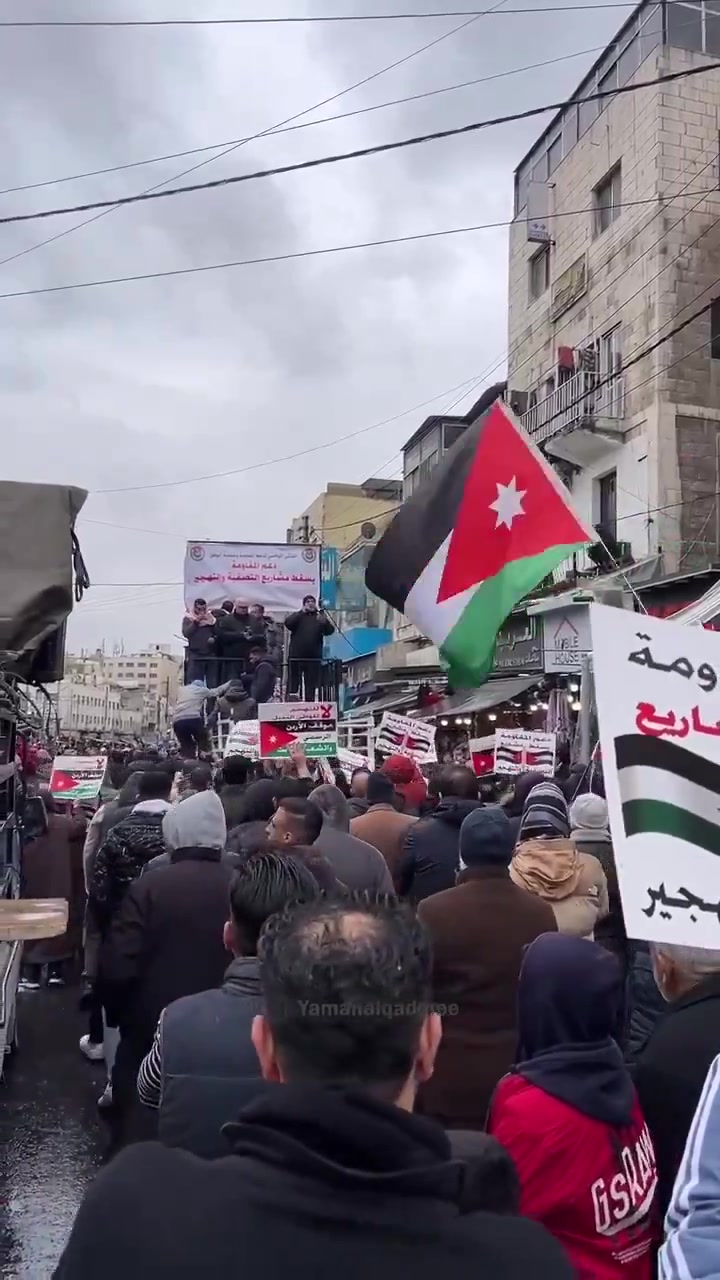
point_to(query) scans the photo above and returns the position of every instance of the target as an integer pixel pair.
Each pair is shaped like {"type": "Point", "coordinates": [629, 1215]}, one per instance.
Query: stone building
{"type": "Point", "coordinates": [616, 240]}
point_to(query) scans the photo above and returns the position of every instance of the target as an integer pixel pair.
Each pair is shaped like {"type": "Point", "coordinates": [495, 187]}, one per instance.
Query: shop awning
{"type": "Point", "coordinates": [389, 702]}
{"type": "Point", "coordinates": [490, 695]}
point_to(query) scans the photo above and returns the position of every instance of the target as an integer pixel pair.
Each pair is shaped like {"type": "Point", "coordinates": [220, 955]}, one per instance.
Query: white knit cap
{"type": "Point", "coordinates": [589, 812]}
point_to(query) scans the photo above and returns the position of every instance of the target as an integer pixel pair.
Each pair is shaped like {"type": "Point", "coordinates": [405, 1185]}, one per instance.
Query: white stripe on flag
{"type": "Point", "coordinates": [421, 606]}
{"type": "Point", "coordinates": [641, 782]}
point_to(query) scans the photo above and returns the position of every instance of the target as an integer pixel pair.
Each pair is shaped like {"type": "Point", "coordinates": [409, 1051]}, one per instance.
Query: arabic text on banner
{"type": "Point", "coordinates": [659, 717]}
{"type": "Point", "coordinates": [403, 736]}
{"type": "Point", "coordinates": [277, 576]}
{"type": "Point", "coordinates": [311, 725]}
{"type": "Point", "coordinates": [77, 777]}
{"type": "Point", "coordinates": [524, 751]}
{"type": "Point", "coordinates": [243, 740]}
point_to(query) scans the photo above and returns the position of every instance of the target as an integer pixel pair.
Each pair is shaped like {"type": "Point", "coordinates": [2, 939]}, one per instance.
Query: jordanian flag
{"type": "Point", "coordinates": [667, 790]}
{"type": "Point", "coordinates": [490, 523]}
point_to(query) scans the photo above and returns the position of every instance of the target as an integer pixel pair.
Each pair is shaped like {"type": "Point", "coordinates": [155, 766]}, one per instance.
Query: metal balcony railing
{"type": "Point", "coordinates": [576, 403]}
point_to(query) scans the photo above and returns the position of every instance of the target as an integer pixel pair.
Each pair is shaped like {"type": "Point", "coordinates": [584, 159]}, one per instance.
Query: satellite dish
{"type": "Point", "coordinates": [368, 530]}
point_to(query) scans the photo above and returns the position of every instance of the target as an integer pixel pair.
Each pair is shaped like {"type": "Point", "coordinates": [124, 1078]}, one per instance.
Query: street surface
{"type": "Point", "coordinates": [50, 1136]}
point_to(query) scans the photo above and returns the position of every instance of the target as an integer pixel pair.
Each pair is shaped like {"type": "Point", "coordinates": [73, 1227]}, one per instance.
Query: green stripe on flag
{"type": "Point", "coordinates": [469, 647]}
{"type": "Point", "coordinates": [670, 820]}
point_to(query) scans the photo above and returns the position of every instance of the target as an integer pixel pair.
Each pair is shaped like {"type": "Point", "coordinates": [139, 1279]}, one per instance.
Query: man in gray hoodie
{"type": "Point", "coordinates": [357, 864]}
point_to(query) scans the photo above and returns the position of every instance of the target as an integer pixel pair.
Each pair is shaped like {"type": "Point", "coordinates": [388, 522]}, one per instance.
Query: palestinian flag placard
{"type": "Point", "coordinates": [77, 778]}
{"type": "Point", "coordinates": [491, 521]}
{"type": "Point", "coordinates": [524, 751]}
{"type": "Point", "coordinates": [311, 725]}
{"type": "Point", "coordinates": [666, 789]}
{"type": "Point", "coordinates": [657, 684]}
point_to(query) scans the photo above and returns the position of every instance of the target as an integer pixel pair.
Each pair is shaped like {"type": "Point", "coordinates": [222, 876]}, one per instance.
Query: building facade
{"type": "Point", "coordinates": [337, 516]}
{"type": "Point", "coordinates": [85, 704]}
{"type": "Point", "coordinates": [152, 677]}
{"type": "Point", "coordinates": [616, 241]}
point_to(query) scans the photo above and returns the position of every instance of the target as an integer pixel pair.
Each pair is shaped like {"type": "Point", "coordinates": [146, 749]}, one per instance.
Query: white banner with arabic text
{"type": "Point", "coordinates": [277, 576]}
{"type": "Point", "coordinates": [659, 717]}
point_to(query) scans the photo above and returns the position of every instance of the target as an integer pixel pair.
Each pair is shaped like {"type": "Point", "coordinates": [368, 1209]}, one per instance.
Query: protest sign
{"type": "Point", "coordinates": [524, 751]}
{"type": "Point", "coordinates": [659, 716]}
{"type": "Point", "coordinates": [277, 576]}
{"type": "Point", "coordinates": [312, 725]}
{"type": "Point", "coordinates": [403, 736]}
{"type": "Point", "coordinates": [351, 760]}
{"type": "Point", "coordinates": [243, 740]}
{"type": "Point", "coordinates": [77, 778]}
{"type": "Point", "coordinates": [482, 754]}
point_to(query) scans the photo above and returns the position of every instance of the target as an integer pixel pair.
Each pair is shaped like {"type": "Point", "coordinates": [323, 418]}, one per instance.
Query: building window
{"type": "Point", "coordinates": [607, 505]}
{"type": "Point", "coordinates": [539, 272]}
{"type": "Point", "coordinates": [606, 201]}
{"type": "Point", "coordinates": [715, 328]}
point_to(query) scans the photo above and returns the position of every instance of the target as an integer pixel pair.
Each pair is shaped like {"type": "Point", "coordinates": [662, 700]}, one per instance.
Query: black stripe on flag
{"type": "Point", "coordinates": [655, 753]}
{"type": "Point", "coordinates": [425, 520]}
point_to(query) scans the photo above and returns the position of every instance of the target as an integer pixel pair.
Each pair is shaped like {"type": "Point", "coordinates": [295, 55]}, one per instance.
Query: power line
{"type": "Point", "coordinates": [307, 124]}
{"type": "Point", "coordinates": [155, 192]}
{"type": "Point", "coordinates": [630, 515]}
{"type": "Point", "coordinates": [439, 135]}
{"type": "Point", "coordinates": [315, 253]}
{"type": "Point", "coordinates": [303, 452]}
{"type": "Point", "coordinates": [296, 19]}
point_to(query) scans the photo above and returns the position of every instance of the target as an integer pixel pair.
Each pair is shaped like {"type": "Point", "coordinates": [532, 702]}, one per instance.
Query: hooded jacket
{"type": "Point", "coordinates": [570, 1118]}
{"type": "Point", "coordinates": [431, 858]}
{"type": "Point", "coordinates": [167, 939]}
{"type": "Point", "coordinates": [323, 1181]}
{"type": "Point", "coordinates": [573, 883]}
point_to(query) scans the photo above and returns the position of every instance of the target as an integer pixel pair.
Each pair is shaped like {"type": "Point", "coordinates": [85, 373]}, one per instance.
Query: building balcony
{"type": "Point", "coordinates": [580, 420]}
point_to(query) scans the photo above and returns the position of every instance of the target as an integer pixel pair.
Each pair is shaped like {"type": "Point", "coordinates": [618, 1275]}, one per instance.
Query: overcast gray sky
{"type": "Point", "coordinates": [163, 380]}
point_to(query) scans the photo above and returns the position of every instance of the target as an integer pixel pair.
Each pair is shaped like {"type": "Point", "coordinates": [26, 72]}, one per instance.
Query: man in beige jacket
{"type": "Point", "coordinates": [548, 864]}
{"type": "Point", "coordinates": [382, 825]}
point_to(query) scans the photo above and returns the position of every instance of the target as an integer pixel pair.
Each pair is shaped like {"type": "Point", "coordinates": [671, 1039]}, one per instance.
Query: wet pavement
{"type": "Point", "coordinates": [51, 1140]}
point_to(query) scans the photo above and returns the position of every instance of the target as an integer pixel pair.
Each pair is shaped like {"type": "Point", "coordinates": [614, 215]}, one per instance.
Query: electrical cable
{"type": "Point", "coordinates": [307, 124]}
{"type": "Point", "coordinates": [308, 253]}
{"type": "Point", "coordinates": [297, 20]}
{"type": "Point", "coordinates": [154, 192]}
{"type": "Point", "coordinates": [359, 153]}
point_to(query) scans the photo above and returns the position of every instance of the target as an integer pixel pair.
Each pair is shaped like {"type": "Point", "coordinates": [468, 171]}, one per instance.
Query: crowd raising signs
{"type": "Point", "coordinates": [659, 716]}
{"type": "Point", "coordinates": [276, 576]}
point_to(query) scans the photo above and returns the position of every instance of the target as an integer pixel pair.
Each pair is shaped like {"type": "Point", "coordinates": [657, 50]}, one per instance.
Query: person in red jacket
{"type": "Point", "coordinates": [569, 1116]}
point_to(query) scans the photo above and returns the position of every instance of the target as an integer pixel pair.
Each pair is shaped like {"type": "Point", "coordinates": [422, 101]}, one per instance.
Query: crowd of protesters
{"type": "Point", "coordinates": [378, 1023]}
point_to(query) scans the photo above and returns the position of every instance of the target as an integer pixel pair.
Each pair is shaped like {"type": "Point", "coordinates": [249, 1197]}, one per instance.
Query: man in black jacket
{"type": "Point", "coordinates": [200, 631]}
{"type": "Point", "coordinates": [166, 941]}
{"type": "Point", "coordinates": [331, 1173]}
{"type": "Point", "coordinates": [202, 1068]}
{"type": "Point", "coordinates": [308, 629]}
{"type": "Point", "coordinates": [432, 848]}
{"type": "Point", "coordinates": [670, 1071]}
{"type": "Point", "coordinates": [233, 637]}
{"type": "Point", "coordinates": [261, 675]}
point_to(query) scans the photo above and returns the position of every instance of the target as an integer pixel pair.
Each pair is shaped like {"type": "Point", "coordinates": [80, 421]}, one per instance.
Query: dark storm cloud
{"type": "Point", "coordinates": [161, 380]}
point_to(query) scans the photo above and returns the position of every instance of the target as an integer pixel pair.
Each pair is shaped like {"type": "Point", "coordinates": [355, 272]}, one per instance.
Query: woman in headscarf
{"type": "Point", "coordinates": [569, 1116]}
{"type": "Point", "coordinates": [408, 781]}
{"type": "Point", "coordinates": [547, 863]}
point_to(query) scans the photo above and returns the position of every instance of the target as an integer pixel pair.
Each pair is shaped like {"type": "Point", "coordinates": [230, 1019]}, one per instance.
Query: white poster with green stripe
{"type": "Point", "coordinates": [658, 698]}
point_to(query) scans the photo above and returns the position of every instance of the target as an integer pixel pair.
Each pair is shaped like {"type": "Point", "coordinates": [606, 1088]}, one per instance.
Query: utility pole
{"type": "Point", "coordinates": [305, 529]}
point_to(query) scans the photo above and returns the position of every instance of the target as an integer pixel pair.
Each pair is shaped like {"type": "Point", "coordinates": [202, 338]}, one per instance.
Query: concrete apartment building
{"type": "Point", "coordinates": [335, 518]}
{"type": "Point", "coordinates": [634, 251]}
{"type": "Point", "coordinates": [144, 684]}
{"type": "Point", "coordinates": [86, 703]}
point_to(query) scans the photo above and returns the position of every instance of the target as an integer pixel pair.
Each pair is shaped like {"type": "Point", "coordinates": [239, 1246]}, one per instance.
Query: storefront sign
{"type": "Point", "coordinates": [519, 645]}
{"type": "Point", "coordinates": [566, 638]}
{"type": "Point", "coordinates": [310, 725]}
